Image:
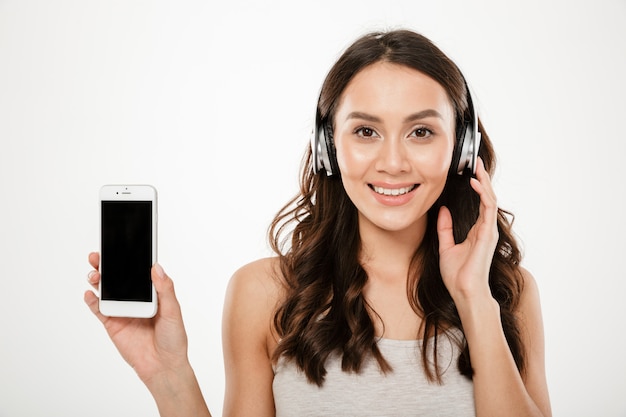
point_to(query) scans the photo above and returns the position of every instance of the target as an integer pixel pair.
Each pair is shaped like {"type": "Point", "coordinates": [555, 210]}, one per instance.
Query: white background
{"type": "Point", "coordinates": [212, 104]}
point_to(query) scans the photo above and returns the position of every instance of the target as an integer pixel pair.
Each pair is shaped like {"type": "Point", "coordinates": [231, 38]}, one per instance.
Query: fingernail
{"type": "Point", "coordinates": [159, 271]}
{"type": "Point", "coordinates": [90, 275]}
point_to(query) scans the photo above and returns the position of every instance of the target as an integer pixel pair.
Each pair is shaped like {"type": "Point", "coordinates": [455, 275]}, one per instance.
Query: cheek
{"type": "Point", "coordinates": [445, 162]}
{"type": "Point", "coordinates": [353, 161]}
{"type": "Point", "coordinates": [436, 164]}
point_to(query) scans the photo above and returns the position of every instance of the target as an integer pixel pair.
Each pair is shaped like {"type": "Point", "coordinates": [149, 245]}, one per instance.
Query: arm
{"type": "Point", "coordinates": [499, 389]}
{"type": "Point", "coordinates": [155, 348]}
{"type": "Point", "coordinates": [248, 340]}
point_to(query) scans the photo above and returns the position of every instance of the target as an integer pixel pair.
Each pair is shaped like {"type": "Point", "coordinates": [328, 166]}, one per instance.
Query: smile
{"type": "Point", "coordinates": [393, 191]}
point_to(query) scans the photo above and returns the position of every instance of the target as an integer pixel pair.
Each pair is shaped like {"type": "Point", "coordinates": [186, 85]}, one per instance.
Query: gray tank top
{"type": "Point", "coordinates": [403, 392]}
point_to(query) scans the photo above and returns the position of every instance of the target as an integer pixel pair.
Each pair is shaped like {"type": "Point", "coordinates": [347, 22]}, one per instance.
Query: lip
{"type": "Point", "coordinates": [391, 199]}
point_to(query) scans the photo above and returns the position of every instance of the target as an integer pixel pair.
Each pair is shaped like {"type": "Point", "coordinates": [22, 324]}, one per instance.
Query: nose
{"type": "Point", "coordinates": [393, 157]}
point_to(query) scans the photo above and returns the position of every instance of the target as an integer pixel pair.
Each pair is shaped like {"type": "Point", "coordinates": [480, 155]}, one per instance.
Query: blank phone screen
{"type": "Point", "coordinates": [126, 251]}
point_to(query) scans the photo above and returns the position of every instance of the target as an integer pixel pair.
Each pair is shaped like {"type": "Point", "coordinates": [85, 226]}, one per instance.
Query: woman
{"type": "Point", "coordinates": [396, 289]}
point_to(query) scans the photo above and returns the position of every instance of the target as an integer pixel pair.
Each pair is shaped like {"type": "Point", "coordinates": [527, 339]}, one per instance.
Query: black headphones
{"type": "Point", "coordinates": [465, 151]}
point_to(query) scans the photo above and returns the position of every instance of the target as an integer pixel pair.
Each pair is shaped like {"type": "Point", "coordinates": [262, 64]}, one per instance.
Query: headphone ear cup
{"type": "Point", "coordinates": [457, 165]}
{"type": "Point", "coordinates": [468, 140]}
{"type": "Point", "coordinates": [465, 151]}
{"type": "Point", "coordinates": [317, 137]}
{"type": "Point", "coordinates": [332, 167]}
{"type": "Point", "coordinates": [323, 149]}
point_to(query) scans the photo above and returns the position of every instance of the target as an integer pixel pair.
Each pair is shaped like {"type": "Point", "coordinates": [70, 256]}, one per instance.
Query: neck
{"type": "Point", "coordinates": [386, 257]}
{"type": "Point", "coordinates": [389, 253]}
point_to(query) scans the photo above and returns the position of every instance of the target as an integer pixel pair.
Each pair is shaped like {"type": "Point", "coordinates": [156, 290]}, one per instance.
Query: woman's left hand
{"type": "Point", "coordinates": [465, 266]}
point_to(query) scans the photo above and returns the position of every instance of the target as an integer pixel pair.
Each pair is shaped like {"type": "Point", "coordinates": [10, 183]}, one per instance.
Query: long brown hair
{"type": "Point", "coordinates": [316, 237]}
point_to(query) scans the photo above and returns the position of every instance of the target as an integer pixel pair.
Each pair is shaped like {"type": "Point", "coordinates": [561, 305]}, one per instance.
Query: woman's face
{"type": "Point", "coordinates": [394, 136]}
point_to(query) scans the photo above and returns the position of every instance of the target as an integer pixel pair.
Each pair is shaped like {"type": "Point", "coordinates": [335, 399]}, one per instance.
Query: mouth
{"type": "Point", "coordinates": [393, 191]}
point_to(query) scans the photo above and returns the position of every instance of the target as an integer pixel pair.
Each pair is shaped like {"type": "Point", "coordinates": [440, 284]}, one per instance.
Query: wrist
{"type": "Point", "coordinates": [176, 392]}
{"type": "Point", "coordinates": [473, 298]}
{"type": "Point", "coordinates": [476, 305]}
{"type": "Point", "coordinates": [478, 314]}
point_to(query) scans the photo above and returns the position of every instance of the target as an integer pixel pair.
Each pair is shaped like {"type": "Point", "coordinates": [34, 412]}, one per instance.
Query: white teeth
{"type": "Point", "coordinates": [393, 191]}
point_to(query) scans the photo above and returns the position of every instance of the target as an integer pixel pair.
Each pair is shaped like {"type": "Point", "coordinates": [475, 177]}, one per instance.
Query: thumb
{"type": "Point", "coordinates": [444, 229]}
{"type": "Point", "coordinates": [164, 286]}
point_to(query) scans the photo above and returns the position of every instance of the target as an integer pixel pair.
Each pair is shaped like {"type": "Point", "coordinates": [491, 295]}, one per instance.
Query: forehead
{"type": "Point", "coordinates": [389, 88]}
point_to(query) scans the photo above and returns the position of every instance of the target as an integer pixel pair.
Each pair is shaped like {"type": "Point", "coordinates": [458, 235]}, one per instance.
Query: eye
{"type": "Point", "coordinates": [365, 132]}
{"type": "Point", "coordinates": [422, 132]}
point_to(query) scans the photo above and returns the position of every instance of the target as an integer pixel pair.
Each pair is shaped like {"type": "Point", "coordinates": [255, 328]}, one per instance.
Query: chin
{"type": "Point", "coordinates": [396, 224]}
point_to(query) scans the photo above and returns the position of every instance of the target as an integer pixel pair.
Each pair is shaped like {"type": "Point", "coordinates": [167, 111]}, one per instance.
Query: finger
{"type": "Point", "coordinates": [486, 224]}
{"type": "Point", "coordinates": [92, 302]}
{"type": "Point", "coordinates": [168, 303]}
{"type": "Point", "coordinates": [487, 199]}
{"type": "Point", "coordinates": [93, 278]}
{"type": "Point", "coordinates": [483, 187]}
{"type": "Point", "coordinates": [444, 229]}
{"type": "Point", "coordinates": [487, 212]}
{"type": "Point", "coordinates": [94, 260]}
{"type": "Point", "coordinates": [482, 178]}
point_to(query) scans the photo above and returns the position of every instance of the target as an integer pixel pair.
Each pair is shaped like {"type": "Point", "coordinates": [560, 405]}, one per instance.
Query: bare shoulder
{"type": "Point", "coordinates": [258, 282]}
{"type": "Point", "coordinates": [252, 296]}
{"type": "Point", "coordinates": [530, 292]}
{"type": "Point", "coordinates": [529, 308]}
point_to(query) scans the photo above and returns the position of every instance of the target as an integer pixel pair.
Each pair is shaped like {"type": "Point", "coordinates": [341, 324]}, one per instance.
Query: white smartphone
{"type": "Point", "coordinates": [128, 249]}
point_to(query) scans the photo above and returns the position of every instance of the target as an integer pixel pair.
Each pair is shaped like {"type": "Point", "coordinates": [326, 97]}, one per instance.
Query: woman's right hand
{"type": "Point", "coordinates": [151, 346]}
{"type": "Point", "coordinates": [156, 348]}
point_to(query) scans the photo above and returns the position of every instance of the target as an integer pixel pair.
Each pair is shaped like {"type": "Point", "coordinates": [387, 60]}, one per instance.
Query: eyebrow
{"type": "Point", "coordinates": [410, 118]}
